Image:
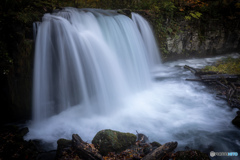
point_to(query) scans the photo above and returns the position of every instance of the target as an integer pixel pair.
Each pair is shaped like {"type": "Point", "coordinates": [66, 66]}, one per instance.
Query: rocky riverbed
{"type": "Point", "coordinates": [106, 145]}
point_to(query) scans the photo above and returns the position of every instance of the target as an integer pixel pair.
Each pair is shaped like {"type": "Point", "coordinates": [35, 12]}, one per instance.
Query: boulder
{"type": "Point", "coordinates": [113, 141]}
{"type": "Point", "coordinates": [236, 121]}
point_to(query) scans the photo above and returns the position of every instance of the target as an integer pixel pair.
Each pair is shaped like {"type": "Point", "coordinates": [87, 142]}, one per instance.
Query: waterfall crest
{"type": "Point", "coordinates": [91, 57]}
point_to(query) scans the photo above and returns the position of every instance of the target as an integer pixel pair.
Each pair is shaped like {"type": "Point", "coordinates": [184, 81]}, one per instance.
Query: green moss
{"type": "Point", "coordinates": [228, 65]}
{"type": "Point", "coordinates": [113, 141]}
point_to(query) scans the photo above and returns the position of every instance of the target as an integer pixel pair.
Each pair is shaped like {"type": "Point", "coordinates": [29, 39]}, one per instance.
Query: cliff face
{"type": "Point", "coordinates": [214, 40]}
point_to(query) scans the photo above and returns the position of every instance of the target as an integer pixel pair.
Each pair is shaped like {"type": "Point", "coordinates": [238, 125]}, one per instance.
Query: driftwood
{"type": "Point", "coordinates": [198, 71]}
{"type": "Point", "coordinates": [161, 151]}
{"type": "Point", "coordinates": [84, 150]}
{"type": "Point", "coordinates": [193, 80]}
{"type": "Point", "coordinates": [193, 70]}
{"type": "Point", "coordinates": [217, 77]}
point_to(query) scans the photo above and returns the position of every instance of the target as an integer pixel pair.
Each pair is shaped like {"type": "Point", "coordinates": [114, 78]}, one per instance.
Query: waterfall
{"type": "Point", "coordinates": [148, 38]}
{"type": "Point", "coordinates": [90, 57]}
{"type": "Point", "coordinates": [94, 70]}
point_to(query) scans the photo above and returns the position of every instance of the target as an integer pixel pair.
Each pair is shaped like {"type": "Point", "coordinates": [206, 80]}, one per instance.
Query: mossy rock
{"type": "Point", "coordinates": [113, 141]}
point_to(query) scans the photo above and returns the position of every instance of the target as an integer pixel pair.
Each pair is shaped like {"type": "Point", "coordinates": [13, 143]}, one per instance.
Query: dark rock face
{"type": "Point", "coordinates": [236, 121]}
{"type": "Point", "coordinates": [13, 146]}
{"type": "Point", "coordinates": [113, 141]}
{"type": "Point", "coordinates": [216, 42]}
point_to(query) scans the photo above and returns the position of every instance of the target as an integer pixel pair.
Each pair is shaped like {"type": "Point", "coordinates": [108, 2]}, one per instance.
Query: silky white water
{"type": "Point", "coordinates": [96, 70]}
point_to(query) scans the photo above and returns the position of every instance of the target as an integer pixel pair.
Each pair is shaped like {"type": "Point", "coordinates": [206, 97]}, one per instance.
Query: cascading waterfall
{"type": "Point", "coordinates": [94, 70]}
{"type": "Point", "coordinates": [92, 57]}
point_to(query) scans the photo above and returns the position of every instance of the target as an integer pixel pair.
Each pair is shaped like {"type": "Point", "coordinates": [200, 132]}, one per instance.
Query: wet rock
{"type": "Point", "coordinates": [63, 146]}
{"type": "Point", "coordinates": [236, 121]}
{"type": "Point", "coordinates": [113, 141]}
{"type": "Point", "coordinates": [126, 12]}
{"type": "Point", "coordinates": [161, 151]}
{"type": "Point", "coordinates": [238, 113]}
{"type": "Point", "coordinates": [22, 132]}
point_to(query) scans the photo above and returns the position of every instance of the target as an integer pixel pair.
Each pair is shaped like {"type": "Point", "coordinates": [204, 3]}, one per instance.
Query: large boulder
{"type": "Point", "coordinates": [113, 141]}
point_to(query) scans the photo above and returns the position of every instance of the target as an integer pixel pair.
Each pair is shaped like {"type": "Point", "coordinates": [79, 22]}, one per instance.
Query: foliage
{"type": "Point", "coordinates": [228, 65]}
{"type": "Point", "coordinates": [193, 14]}
{"type": "Point", "coordinates": [6, 61]}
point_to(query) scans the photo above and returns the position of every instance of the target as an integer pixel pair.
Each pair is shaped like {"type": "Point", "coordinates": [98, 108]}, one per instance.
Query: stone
{"type": "Point", "coordinates": [113, 141]}
{"type": "Point", "coordinates": [236, 121]}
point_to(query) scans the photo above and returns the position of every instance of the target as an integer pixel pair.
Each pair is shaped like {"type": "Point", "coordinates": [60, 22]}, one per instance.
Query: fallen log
{"type": "Point", "coordinates": [222, 84]}
{"type": "Point", "coordinates": [198, 71]}
{"type": "Point", "coordinates": [161, 151]}
{"type": "Point", "coordinates": [193, 70]}
{"type": "Point", "coordinates": [217, 77]}
{"type": "Point", "coordinates": [193, 80]}
{"type": "Point", "coordinates": [85, 150]}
